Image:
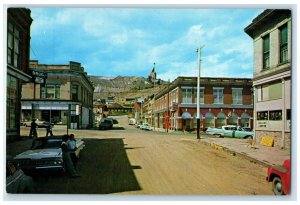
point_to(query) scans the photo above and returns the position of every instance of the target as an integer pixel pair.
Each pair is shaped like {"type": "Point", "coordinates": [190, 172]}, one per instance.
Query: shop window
{"type": "Point", "coordinates": [275, 115]}
{"type": "Point", "coordinates": [262, 115]}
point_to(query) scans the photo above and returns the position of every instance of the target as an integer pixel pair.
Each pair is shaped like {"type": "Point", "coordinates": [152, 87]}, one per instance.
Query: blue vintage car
{"type": "Point", "coordinates": [230, 131]}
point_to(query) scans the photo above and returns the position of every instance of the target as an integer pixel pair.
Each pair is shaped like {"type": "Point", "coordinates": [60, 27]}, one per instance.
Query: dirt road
{"type": "Point", "coordinates": [131, 161]}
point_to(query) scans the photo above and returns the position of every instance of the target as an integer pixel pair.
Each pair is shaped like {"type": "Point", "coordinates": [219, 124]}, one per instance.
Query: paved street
{"type": "Point", "coordinates": [127, 160]}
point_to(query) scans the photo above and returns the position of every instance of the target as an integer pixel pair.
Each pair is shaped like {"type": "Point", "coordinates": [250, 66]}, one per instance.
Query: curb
{"type": "Point", "coordinates": [234, 153]}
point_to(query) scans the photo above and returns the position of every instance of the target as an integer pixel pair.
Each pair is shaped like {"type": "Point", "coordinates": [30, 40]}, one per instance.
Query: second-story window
{"type": "Point", "coordinates": [75, 92]}
{"type": "Point", "coordinates": [13, 46]}
{"type": "Point", "coordinates": [283, 43]}
{"type": "Point", "coordinates": [201, 95]}
{"type": "Point", "coordinates": [266, 52]}
{"type": "Point", "coordinates": [186, 95]}
{"type": "Point", "coordinates": [50, 92]}
{"type": "Point", "coordinates": [218, 95]}
{"type": "Point", "coordinates": [237, 96]}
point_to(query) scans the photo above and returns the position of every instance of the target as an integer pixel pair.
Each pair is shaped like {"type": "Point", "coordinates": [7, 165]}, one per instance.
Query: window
{"type": "Point", "coordinates": [75, 92]}
{"type": "Point", "coordinates": [266, 52]}
{"type": "Point", "coordinates": [218, 95]}
{"type": "Point", "coordinates": [221, 119]}
{"type": "Point", "coordinates": [209, 119]}
{"type": "Point", "coordinates": [288, 114]}
{"type": "Point", "coordinates": [201, 95]}
{"type": "Point", "coordinates": [13, 46]}
{"type": "Point", "coordinates": [186, 95]}
{"type": "Point", "coordinates": [283, 43]}
{"type": "Point", "coordinates": [262, 115]}
{"type": "Point", "coordinates": [270, 91]}
{"type": "Point", "coordinates": [237, 96]}
{"type": "Point", "coordinates": [275, 115]}
{"type": "Point", "coordinates": [11, 101]}
{"type": "Point", "coordinates": [50, 92]}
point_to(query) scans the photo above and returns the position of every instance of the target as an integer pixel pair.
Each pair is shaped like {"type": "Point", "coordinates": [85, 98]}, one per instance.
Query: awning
{"type": "Point", "coordinates": [186, 115]}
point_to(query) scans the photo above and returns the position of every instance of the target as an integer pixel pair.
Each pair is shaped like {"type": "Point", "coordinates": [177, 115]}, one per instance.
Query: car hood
{"type": "Point", "coordinates": [40, 154]}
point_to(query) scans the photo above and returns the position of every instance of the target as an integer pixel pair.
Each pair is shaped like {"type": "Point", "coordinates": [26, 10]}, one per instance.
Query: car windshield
{"type": "Point", "coordinates": [47, 143]}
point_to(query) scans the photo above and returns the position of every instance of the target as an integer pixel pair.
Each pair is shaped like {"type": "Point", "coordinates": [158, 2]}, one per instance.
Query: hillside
{"type": "Point", "coordinates": [122, 87]}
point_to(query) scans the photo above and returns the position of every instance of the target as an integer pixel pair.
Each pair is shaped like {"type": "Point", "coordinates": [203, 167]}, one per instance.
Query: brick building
{"type": "Point", "coordinates": [222, 101]}
{"type": "Point", "coordinates": [65, 97]}
{"type": "Point", "coordinates": [271, 32]}
{"type": "Point", "coordinates": [18, 45]}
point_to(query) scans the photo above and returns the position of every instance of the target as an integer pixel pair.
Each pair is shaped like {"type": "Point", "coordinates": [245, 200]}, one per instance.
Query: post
{"type": "Point", "coordinates": [198, 93]}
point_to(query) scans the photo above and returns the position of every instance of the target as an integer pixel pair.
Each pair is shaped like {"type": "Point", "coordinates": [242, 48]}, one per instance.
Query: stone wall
{"type": "Point", "coordinates": [277, 138]}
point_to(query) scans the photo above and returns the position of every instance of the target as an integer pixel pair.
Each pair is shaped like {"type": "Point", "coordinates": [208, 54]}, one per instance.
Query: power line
{"type": "Point", "coordinates": [33, 52]}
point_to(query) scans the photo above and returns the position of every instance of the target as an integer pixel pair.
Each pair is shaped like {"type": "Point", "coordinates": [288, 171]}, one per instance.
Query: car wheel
{"type": "Point", "coordinates": [277, 186]}
{"type": "Point", "coordinates": [249, 137]}
{"type": "Point", "coordinates": [217, 135]}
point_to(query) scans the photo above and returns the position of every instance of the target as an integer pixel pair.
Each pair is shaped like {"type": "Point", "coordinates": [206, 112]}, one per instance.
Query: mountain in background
{"type": "Point", "coordinates": [122, 87]}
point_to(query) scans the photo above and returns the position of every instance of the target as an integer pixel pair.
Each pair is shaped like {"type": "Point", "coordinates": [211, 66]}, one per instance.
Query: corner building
{"type": "Point", "coordinates": [18, 45]}
{"type": "Point", "coordinates": [271, 32]}
{"type": "Point", "coordinates": [223, 101]}
{"type": "Point", "coordinates": [65, 97]}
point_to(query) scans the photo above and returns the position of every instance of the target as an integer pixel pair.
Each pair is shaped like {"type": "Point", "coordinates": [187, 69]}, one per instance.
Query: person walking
{"type": "Point", "coordinates": [67, 158]}
{"type": "Point", "coordinates": [33, 132]}
{"type": "Point", "coordinates": [71, 143]}
{"type": "Point", "coordinates": [49, 129]}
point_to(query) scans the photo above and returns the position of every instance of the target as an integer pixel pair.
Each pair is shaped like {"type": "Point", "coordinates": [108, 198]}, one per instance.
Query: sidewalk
{"type": "Point", "coordinates": [258, 153]}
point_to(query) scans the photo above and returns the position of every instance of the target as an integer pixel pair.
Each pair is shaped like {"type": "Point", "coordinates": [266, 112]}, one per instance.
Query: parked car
{"type": "Point", "coordinates": [131, 121]}
{"type": "Point", "coordinates": [145, 126]}
{"type": "Point", "coordinates": [106, 123]}
{"type": "Point", "coordinates": [230, 131]}
{"type": "Point", "coordinates": [40, 123]}
{"type": "Point", "coordinates": [16, 180]}
{"type": "Point", "coordinates": [280, 176]}
{"type": "Point", "coordinates": [45, 155]}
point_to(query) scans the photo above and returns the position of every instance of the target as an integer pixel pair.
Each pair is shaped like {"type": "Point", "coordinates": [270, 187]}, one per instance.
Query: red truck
{"type": "Point", "coordinates": [280, 176]}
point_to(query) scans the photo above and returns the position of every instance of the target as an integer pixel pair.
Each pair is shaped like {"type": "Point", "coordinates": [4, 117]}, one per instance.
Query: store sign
{"type": "Point", "coordinates": [262, 124]}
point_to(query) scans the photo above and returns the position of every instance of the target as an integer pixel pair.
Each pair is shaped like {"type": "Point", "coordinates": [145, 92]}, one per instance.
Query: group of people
{"type": "Point", "coordinates": [70, 158]}
{"type": "Point", "coordinates": [68, 147]}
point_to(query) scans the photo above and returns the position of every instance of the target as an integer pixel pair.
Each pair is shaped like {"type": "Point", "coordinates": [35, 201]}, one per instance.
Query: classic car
{"type": "Point", "coordinates": [230, 131]}
{"type": "Point", "coordinates": [106, 123]}
{"type": "Point", "coordinates": [40, 123]}
{"type": "Point", "coordinates": [280, 176]}
{"type": "Point", "coordinates": [16, 180]}
{"type": "Point", "coordinates": [45, 155]}
{"type": "Point", "coordinates": [145, 126]}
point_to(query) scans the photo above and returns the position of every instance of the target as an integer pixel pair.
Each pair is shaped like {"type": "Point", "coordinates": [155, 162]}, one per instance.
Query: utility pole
{"type": "Point", "coordinates": [153, 122]}
{"type": "Point", "coordinates": [198, 93]}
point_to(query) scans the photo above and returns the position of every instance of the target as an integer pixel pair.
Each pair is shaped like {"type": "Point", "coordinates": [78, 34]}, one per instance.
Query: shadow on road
{"type": "Point", "coordinates": [104, 168]}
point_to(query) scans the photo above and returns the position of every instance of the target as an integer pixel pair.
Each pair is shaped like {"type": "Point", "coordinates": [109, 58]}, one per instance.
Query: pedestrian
{"type": "Point", "coordinates": [49, 129]}
{"type": "Point", "coordinates": [67, 158]}
{"type": "Point", "coordinates": [33, 132]}
{"type": "Point", "coordinates": [71, 143]}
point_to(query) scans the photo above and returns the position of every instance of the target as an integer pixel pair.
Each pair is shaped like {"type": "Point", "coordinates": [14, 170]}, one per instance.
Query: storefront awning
{"type": "Point", "coordinates": [186, 115]}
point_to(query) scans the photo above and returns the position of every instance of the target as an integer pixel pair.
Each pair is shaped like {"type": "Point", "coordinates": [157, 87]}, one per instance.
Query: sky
{"type": "Point", "coordinates": [127, 41]}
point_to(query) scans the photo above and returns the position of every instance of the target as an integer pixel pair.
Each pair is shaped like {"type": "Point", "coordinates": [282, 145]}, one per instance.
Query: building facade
{"type": "Point", "coordinates": [271, 32]}
{"type": "Point", "coordinates": [66, 96]}
{"type": "Point", "coordinates": [222, 101]}
{"type": "Point", "coordinates": [18, 72]}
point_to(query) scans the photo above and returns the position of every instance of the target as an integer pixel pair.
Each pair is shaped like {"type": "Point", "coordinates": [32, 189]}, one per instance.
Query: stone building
{"type": "Point", "coordinates": [18, 44]}
{"type": "Point", "coordinates": [271, 32]}
{"type": "Point", "coordinates": [222, 101]}
{"type": "Point", "coordinates": [66, 96]}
